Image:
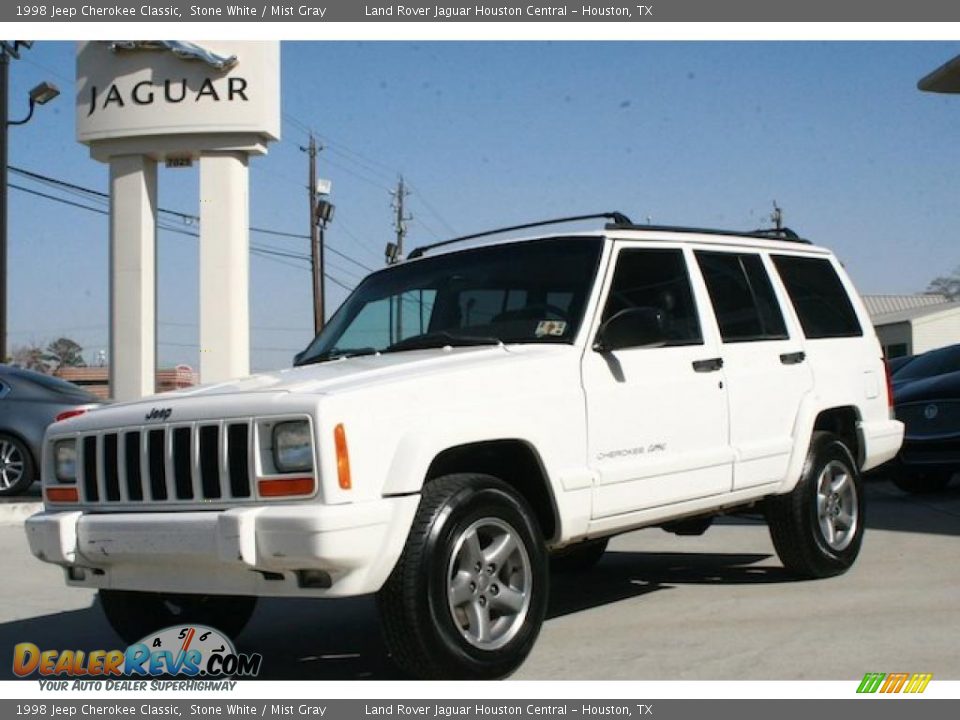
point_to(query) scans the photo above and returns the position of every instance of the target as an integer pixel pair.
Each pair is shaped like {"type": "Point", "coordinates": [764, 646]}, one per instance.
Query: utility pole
{"type": "Point", "coordinates": [395, 253]}
{"type": "Point", "coordinates": [4, 119]}
{"type": "Point", "coordinates": [316, 248]}
{"type": "Point", "coordinates": [777, 216]}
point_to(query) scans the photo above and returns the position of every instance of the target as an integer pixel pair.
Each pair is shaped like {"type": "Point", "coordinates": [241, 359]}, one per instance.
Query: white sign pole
{"type": "Point", "coordinates": [224, 267]}
{"type": "Point", "coordinates": [133, 240]}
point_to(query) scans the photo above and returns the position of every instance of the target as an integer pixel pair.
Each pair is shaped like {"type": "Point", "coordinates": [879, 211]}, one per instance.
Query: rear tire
{"type": "Point", "coordinates": [469, 593]}
{"type": "Point", "coordinates": [922, 483]}
{"type": "Point", "coordinates": [133, 615]}
{"type": "Point", "coordinates": [817, 528]}
{"type": "Point", "coordinates": [17, 469]}
{"type": "Point", "coordinates": [578, 558]}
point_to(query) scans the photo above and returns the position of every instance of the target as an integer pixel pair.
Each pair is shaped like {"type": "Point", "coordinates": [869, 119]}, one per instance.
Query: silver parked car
{"type": "Point", "coordinates": [29, 402]}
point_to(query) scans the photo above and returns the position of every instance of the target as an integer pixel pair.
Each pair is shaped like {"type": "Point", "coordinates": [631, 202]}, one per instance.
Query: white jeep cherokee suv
{"type": "Point", "coordinates": [473, 412]}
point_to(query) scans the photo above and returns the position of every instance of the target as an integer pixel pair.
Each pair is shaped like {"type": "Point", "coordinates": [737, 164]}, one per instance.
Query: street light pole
{"type": "Point", "coordinates": [40, 95]}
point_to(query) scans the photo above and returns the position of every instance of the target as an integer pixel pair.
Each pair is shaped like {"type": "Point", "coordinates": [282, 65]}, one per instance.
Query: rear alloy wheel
{"type": "Point", "coordinates": [16, 466]}
{"type": "Point", "coordinates": [922, 483]}
{"type": "Point", "coordinates": [469, 592]}
{"type": "Point", "coordinates": [817, 528]}
{"type": "Point", "coordinates": [133, 614]}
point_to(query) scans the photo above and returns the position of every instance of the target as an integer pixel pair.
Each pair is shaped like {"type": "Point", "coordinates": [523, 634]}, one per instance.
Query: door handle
{"type": "Point", "coordinates": [793, 358]}
{"type": "Point", "coordinates": [711, 365]}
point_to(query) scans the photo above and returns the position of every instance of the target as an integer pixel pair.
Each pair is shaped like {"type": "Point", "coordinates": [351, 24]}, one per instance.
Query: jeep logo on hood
{"type": "Point", "coordinates": [159, 414]}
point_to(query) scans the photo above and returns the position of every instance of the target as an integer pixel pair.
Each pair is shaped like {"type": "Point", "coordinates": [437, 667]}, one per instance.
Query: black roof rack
{"type": "Point", "coordinates": [783, 233]}
{"type": "Point", "coordinates": [616, 218]}
{"type": "Point", "coordinates": [619, 221]}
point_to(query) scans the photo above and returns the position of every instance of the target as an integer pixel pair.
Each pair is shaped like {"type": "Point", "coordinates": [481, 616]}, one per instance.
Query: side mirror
{"type": "Point", "coordinates": [637, 327]}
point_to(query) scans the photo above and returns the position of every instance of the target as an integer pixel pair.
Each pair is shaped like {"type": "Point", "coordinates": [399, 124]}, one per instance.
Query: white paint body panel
{"type": "Point", "coordinates": [728, 438]}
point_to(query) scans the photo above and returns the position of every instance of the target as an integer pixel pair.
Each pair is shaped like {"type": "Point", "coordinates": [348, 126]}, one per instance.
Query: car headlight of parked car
{"type": "Point", "coordinates": [65, 460]}
{"type": "Point", "coordinates": [293, 447]}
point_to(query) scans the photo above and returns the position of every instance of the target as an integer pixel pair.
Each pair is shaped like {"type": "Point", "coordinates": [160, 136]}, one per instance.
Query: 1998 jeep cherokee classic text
{"type": "Point", "coordinates": [472, 412]}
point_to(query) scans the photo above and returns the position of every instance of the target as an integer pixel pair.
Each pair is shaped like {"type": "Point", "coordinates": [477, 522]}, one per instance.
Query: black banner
{"type": "Point", "coordinates": [882, 709]}
{"type": "Point", "coordinates": [468, 11]}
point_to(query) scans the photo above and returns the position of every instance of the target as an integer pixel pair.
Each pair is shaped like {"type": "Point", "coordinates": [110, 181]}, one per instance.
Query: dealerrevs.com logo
{"type": "Point", "coordinates": [894, 682]}
{"type": "Point", "coordinates": [192, 651]}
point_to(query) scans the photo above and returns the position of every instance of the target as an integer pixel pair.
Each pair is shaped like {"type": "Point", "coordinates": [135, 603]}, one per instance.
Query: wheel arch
{"type": "Point", "coordinates": [843, 421]}
{"type": "Point", "coordinates": [512, 460]}
{"type": "Point", "coordinates": [813, 416]}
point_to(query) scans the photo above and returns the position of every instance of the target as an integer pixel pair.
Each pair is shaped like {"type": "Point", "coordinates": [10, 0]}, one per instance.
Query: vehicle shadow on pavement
{"type": "Point", "coordinates": [622, 575]}
{"type": "Point", "coordinates": [889, 508]}
{"type": "Point", "coordinates": [303, 639]}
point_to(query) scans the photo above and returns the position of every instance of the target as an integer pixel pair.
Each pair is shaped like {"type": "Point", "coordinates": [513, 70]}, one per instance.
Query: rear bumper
{"type": "Point", "coordinates": [245, 551]}
{"type": "Point", "coordinates": [881, 442]}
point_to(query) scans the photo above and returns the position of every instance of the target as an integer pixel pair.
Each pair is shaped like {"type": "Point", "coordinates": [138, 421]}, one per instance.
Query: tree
{"type": "Point", "coordinates": [947, 285]}
{"type": "Point", "coordinates": [29, 357]}
{"type": "Point", "coordinates": [64, 352]}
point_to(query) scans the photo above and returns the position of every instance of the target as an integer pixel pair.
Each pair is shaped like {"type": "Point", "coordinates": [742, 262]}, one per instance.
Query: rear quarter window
{"type": "Point", "coordinates": [818, 296]}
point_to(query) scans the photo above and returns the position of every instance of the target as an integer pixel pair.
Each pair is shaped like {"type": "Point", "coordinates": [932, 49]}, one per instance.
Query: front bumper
{"type": "Point", "coordinates": [259, 550]}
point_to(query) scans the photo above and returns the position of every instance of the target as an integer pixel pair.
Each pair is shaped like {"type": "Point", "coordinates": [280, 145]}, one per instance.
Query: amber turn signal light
{"type": "Point", "coordinates": [343, 457]}
{"type": "Point", "coordinates": [280, 487]}
{"type": "Point", "coordinates": [62, 494]}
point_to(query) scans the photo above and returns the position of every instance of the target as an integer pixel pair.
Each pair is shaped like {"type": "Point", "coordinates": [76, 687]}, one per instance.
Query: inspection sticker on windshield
{"type": "Point", "coordinates": [551, 327]}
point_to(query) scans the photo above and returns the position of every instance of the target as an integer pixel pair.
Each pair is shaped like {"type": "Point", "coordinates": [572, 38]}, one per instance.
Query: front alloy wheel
{"type": "Point", "coordinates": [490, 580]}
{"type": "Point", "coordinates": [468, 595]}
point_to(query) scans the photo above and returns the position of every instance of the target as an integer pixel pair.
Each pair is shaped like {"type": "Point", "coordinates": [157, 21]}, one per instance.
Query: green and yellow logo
{"type": "Point", "coordinates": [894, 682]}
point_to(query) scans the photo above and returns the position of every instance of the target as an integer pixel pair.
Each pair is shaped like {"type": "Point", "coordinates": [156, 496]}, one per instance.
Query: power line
{"type": "Point", "coordinates": [254, 249]}
{"type": "Point", "coordinates": [190, 219]}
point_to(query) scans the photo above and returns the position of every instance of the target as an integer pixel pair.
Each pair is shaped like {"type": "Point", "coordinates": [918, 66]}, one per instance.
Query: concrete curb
{"type": "Point", "coordinates": [15, 513]}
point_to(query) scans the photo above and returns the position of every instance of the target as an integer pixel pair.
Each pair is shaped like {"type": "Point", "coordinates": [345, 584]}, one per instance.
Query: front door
{"type": "Point", "coordinates": [657, 416]}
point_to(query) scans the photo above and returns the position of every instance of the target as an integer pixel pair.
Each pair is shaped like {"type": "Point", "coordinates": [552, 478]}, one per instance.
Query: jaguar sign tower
{"type": "Point", "coordinates": [142, 103]}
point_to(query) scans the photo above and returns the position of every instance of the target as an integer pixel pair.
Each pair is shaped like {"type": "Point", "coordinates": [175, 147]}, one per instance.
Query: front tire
{"type": "Point", "coordinates": [817, 528]}
{"type": "Point", "coordinates": [133, 615]}
{"type": "Point", "coordinates": [469, 593]}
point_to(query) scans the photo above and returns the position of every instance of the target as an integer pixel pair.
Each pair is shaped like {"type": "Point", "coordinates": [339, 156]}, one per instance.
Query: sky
{"type": "Point", "coordinates": [489, 134]}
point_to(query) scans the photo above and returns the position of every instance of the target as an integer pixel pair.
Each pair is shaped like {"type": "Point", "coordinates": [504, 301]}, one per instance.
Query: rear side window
{"type": "Point", "coordinates": [818, 296]}
{"type": "Point", "coordinates": [657, 279]}
{"type": "Point", "coordinates": [742, 297]}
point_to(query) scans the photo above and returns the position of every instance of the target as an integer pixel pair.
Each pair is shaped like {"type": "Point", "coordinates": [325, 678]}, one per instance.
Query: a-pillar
{"type": "Point", "coordinates": [133, 243]}
{"type": "Point", "coordinates": [224, 267]}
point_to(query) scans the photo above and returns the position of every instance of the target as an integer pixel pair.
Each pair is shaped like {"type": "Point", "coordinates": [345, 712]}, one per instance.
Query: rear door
{"type": "Point", "coordinates": [764, 362]}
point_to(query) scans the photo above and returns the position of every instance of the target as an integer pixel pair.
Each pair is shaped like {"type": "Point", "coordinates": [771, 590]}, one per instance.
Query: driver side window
{"type": "Point", "coordinates": [656, 279]}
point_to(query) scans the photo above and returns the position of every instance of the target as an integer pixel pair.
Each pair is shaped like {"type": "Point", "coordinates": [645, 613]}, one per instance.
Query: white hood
{"type": "Point", "coordinates": [349, 373]}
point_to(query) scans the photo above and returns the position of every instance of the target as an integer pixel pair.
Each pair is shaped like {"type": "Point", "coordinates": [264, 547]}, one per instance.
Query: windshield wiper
{"type": "Point", "coordinates": [439, 339]}
{"type": "Point", "coordinates": [338, 354]}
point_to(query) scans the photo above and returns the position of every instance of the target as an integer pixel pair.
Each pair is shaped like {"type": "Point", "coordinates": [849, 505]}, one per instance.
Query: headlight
{"type": "Point", "coordinates": [293, 447]}
{"type": "Point", "coordinates": [65, 460]}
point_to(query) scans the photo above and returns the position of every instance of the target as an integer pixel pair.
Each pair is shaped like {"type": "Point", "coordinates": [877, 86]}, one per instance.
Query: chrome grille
{"type": "Point", "coordinates": [930, 419]}
{"type": "Point", "coordinates": [200, 462]}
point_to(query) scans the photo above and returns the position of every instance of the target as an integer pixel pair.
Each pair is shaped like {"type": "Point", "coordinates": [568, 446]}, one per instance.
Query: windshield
{"type": "Point", "coordinates": [529, 292]}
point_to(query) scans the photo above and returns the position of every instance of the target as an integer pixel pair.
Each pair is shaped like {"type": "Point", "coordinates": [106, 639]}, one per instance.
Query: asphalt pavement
{"type": "Point", "coordinates": [657, 607]}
